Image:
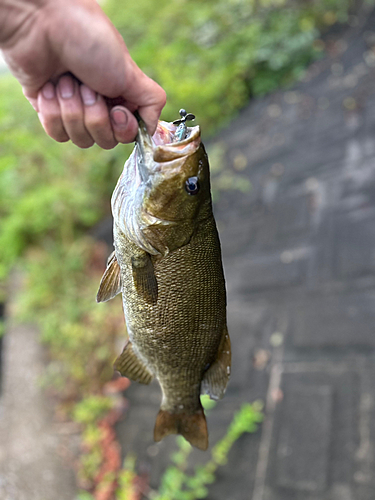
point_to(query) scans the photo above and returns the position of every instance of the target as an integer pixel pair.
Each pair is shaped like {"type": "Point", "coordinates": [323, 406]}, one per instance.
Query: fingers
{"type": "Point", "coordinates": [96, 118]}
{"type": "Point", "coordinates": [61, 112]}
{"type": "Point", "coordinates": [50, 113]}
{"type": "Point", "coordinates": [73, 111]}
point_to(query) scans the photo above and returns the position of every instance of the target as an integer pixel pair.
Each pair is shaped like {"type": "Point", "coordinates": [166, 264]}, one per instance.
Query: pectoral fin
{"type": "Point", "coordinates": [144, 277]}
{"type": "Point", "coordinates": [216, 378]}
{"type": "Point", "coordinates": [129, 365]}
{"type": "Point", "coordinates": [110, 284]}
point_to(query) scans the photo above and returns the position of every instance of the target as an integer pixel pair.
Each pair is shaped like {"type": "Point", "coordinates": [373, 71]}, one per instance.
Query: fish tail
{"type": "Point", "coordinates": [192, 426]}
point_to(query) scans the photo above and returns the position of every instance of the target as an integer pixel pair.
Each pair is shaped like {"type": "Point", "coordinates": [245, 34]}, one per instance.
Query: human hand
{"type": "Point", "coordinates": [46, 42]}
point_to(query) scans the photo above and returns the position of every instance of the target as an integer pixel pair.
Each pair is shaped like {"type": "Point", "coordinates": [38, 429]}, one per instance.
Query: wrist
{"type": "Point", "coordinates": [14, 15]}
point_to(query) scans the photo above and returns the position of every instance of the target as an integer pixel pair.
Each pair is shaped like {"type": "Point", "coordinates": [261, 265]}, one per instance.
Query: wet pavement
{"type": "Point", "coordinates": [299, 257]}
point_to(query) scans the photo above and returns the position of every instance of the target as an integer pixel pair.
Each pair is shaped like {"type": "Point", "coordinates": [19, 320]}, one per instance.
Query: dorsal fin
{"type": "Point", "coordinates": [129, 365]}
{"type": "Point", "coordinates": [215, 379]}
{"type": "Point", "coordinates": [110, 284]}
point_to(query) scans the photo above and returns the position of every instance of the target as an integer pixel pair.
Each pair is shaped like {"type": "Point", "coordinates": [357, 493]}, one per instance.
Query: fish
{"type": "Point", "coordinates": [167, 264]}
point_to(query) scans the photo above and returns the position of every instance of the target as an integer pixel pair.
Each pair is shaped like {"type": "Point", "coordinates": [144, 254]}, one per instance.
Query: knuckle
{"type": "Point", "coordinates": [59, 136]}
{"type": "Point", "coordinates": [87, 145]}
{"type": "Point", "coordinates": [108, 144]}
{"type": "Point", "coordinates": [61, 139]}
{"type": "Point", "coordinates": [55, 130]}
{"type": "Point", "coordinates": [51, 116]}
{"type": "Point", "coordinates": [124, 138]}
{"type": "Point", "coordinates": [163, 98]}
{"type": "Point", "coordinates": [83, 142]}
{"type": "Point", "coordinates": [97, 122]}
{"type": "Point", "coordinates": [73, 118]}
{"type": "Point", "coordinates": [99, 127]}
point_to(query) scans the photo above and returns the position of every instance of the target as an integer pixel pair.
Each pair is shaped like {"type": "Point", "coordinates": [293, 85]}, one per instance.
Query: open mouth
{"type": "Point", "coordinates": [164, 133]}
{"type": "Point", "coordinates": [177, 131]}
{"type": "Point", "coordinates": [163, 146]}
{"type": "Point", "coordinates": [166, 148]}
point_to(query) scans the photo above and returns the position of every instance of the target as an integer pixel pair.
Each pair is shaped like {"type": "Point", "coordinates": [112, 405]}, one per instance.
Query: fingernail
{"type": "Point", "coordinates": [66, 87]}
{"type": "Point", "coordinates": [88, 95]}
{"type": "Point", "coordinates": [48, 91]}
{"type": "Point", "coordinates": [119, 117]}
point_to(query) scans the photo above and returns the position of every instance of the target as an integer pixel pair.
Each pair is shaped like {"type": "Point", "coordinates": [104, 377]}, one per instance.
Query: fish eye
{"type": "Point", "coordinates": [192, 185]}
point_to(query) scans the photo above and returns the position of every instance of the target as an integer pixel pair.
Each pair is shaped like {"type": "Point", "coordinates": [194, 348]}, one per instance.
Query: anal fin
{"type": "Point", "coordinates": [129, 365]}
{"type": "Point", "coordinates": [215, 379]}
{"type": "Point", "coordinates": [110, 284]}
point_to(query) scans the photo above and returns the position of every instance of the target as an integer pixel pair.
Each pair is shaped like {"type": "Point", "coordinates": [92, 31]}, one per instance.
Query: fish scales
{"type": "Point", "coordinates": [174, 294]}
{"type": "Point", "coordinates": [187, 311]}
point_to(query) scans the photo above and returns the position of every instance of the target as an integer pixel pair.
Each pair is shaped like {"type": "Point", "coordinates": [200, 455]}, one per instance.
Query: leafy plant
{"type": "Point", "coordinates": [85, 495]}
{"type": "Point", "coordinates": [212, 56]}
{"type": "Point", "coordinates": [127, 488]}
{"type": "Point", "coordinates": [89, 411]}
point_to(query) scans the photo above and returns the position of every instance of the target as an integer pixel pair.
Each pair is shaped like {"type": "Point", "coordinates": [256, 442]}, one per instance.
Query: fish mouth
{"type": "Point", "coordinates": [161, 147]}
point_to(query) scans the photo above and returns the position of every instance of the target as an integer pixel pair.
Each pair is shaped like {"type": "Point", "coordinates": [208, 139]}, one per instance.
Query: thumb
{"type": "Point", "coordinates": [146, 96]}
{"type": "Point", "coordinates": [124, 124]}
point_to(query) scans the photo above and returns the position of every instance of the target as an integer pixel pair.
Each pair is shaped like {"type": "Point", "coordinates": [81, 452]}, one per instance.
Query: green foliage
{"type": "Point", "coordinates": [177, 484]}
{"type": "Point", "coordinates": [2, 328]}
{"type": "Point", "coordinates": [90, 410]}
{"type": "Point", "coordinates": [89, 464]}
{"type": "Point", "coordinates": [60, 296]}
{"type": "Point", "coordinates": [211, 56]}
{"type": "Point", "coordinates": [85, 495]}
{"type": "Point", "coordinates": [208, 403]}
{"type": "Point", "coordinates": [127, 479]}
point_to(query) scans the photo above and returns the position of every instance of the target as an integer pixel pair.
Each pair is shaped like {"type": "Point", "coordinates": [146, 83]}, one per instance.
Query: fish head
{"type": "Point", "coordinates": [170, 189]}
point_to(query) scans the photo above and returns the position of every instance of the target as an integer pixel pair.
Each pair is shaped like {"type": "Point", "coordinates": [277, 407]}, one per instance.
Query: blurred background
{"type": "Point", "coordinates": [284, 92]}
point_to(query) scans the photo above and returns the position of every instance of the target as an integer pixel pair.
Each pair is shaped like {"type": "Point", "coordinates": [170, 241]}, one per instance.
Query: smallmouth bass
{"type": "Point", "coordinates": [167, 265]}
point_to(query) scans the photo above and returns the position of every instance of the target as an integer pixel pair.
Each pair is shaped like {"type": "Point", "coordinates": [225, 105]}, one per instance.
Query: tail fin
{"type": "Point", "coordinates": [192, 426]}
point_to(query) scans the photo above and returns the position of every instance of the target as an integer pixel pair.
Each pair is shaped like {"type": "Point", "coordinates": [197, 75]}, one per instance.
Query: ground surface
{"type": "Point", "coordinates": [299, 256]}
{"type": "Point", "coordinates": [35, 451]}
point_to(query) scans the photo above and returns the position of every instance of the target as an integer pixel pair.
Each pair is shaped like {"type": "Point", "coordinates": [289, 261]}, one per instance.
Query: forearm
{"type": "Point", "coordinates": [14, 14]}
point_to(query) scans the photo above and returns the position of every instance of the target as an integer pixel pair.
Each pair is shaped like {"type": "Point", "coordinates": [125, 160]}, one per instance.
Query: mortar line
{"type": "Point", "coordinates": [267, 427]}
